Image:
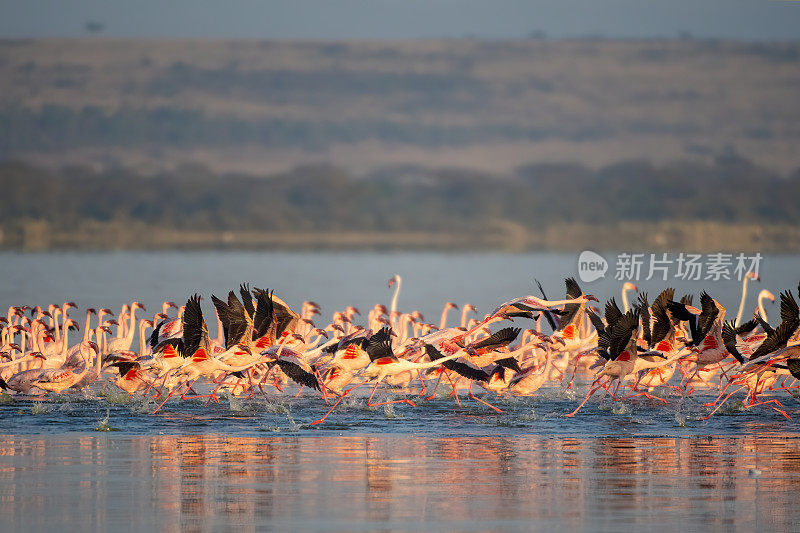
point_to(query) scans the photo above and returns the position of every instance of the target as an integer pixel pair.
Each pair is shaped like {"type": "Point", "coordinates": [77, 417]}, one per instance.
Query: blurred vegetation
{"type": "Point", "coordinates": [730, 204]}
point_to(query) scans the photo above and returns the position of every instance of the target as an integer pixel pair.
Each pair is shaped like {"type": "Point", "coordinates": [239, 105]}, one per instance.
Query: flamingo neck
{"type": "Point", "coordinates": [741, 302]}
{"type": "Point", "coordinates": [393, 310]}
{"type": "Point", "coordinates": [761, 310]}
{"type": "Point", "coordinates": [625, 305]}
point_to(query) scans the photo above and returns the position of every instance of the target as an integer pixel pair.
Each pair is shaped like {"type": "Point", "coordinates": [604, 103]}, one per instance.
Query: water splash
{"type": "Point", "coordinates": [39, 408]}
{"type": "Point", "coordinates": [620, 408]}
{"type": "Point", "coordinates": [103, 424]}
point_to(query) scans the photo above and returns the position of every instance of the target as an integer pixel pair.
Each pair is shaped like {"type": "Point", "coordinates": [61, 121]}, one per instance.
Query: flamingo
{"type": "Point", "coordinates": [58, 379]}
{"type": "Point", "coordinates": [382, 367]}
{"type": "Point", "coordinates": [124, 342]}
{"type": "Point", "coordinates": [443, 319]}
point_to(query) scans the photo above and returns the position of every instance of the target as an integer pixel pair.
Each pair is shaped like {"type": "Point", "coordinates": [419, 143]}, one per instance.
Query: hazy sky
{"type": "Point", "coordinates": [403, 19]}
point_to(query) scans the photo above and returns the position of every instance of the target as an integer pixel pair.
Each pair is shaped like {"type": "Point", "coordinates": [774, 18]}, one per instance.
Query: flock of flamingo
{"type": "Point", "coordinates": [261, 345]}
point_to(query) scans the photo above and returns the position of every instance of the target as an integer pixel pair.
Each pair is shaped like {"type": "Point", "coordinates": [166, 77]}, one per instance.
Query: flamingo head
{"type": "Point", "coordinates": [395, 279]}
{"type": "Point", "coordinates": [91, 311]}
{"type": "Point", "coordinates": [107, 312]}
{"type": "Point", "coordinates": [171, 304]}
{"type": "Point", "coordinates": [137, 305]}
{"type": "Point", "coordinates": [71, 324]}
{"type": "Point", "coordinates": [321, 332]}
{"type": "Point", "coordinates": [47, 314]}
{"type": "Point", "coordinates": [106, 329]}
{"type": "Point", "coordinates": [112, 322]}
{"type": "Point", "coordinates": [69, 305]}
{"type": "Point", "coordinates": [628, 286]}
{"type": "Point", "coordinates": [766, 294]}
{"type": "Point", "coordinates": [753, 276]}
{"type": "Point", "coordinates": [591, 297]}
{"type": "Point", "coordinates": [355, 310]}
{"type": "Point", "coordinates": [94, 347]}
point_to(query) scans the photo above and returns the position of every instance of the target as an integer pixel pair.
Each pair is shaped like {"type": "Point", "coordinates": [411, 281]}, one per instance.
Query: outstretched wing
{"type": "Point", "coordinates": [573, 291]}
{"type": "Point", "coordinates": [247, 299]}
{"type": "Point", "coordinates": [499, 339]}
{"type": "Point", "coordinates": [195, 331]}
{"type": "Point", "coordinates": [729, 339]}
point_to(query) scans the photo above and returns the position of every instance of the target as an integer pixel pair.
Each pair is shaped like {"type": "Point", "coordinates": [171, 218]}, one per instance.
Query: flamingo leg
{"type": "Point", "coordinates": [341, 397]}
{"type": "Point", "coordinates": [479, 400]}
{"type": "Point", "coordinates": [770, 403]}
{"type": "Point", "coordinates": [722, 403]}
{"type": "Point", "coordinates": [369, 400]}
{"type": "Point", "coordinates": [157, 409]}
{"type": "Point", "coordinates": [453, 385]}
{"type": "Point", "coordinates": [433, 395]}
{"type": "Point", "coordinates": [594, 388]}
{"type": "Point", "coordinates": [422, 381]}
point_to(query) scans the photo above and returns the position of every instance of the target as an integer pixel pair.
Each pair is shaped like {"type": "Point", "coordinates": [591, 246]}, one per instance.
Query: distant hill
{"type": "Point", "coordinates": [262, 107]}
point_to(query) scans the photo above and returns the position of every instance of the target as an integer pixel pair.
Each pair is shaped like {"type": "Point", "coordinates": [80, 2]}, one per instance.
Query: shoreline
{"type": "Point", "coordinates": [500, 235]}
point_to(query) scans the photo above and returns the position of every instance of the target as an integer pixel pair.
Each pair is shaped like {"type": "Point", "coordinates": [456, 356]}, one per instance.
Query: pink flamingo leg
{"type": "Point", "coordinates": [594, 388]}
{"type": "Point", "coordinates": [341, 397]}
{"type": "Point", "coordinates": [479, 400]}
{"type": "Point", "coordinates": [722, 403]}
{"type": "Point", "coordinates": [370, 404]}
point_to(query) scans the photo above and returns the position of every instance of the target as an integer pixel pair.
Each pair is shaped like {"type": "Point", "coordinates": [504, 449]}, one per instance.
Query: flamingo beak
{"type": "Point", "coordinates": [591, 297]}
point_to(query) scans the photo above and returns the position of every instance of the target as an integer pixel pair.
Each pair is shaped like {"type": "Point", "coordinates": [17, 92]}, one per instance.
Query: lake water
{"type": "Point", "coordinates": [440, 466]}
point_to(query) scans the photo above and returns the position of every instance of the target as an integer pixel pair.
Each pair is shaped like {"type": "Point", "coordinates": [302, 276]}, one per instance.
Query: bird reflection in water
{"type": "Point", "coordinates": [338, 482]}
